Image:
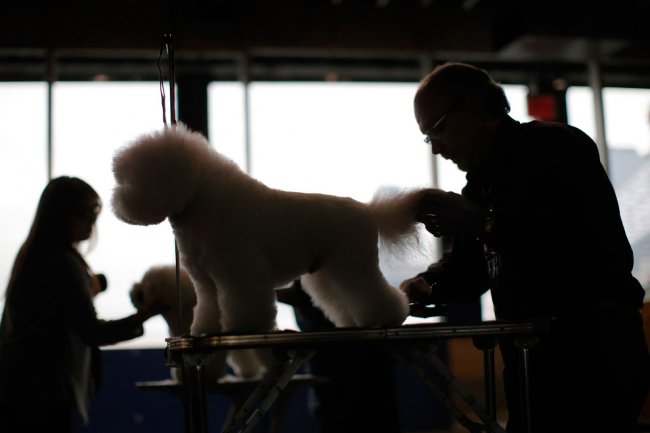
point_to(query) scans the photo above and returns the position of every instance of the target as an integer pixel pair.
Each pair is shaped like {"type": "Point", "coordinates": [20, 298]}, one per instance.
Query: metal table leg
{"type": "Point", "coordinates": [525, 343]}
{"type": "Point", "coordinates": [487, 345]}
{"type": "Point", "coordinates": [194, 400]}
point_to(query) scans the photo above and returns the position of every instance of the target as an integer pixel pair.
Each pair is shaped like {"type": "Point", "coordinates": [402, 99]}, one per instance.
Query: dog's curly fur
{"type": "Point", "coordinates": [158, 287]}
{"type": "Point", "coordinates": [176, 299]}
{"type": "Point", "coordinates": [239, 239]}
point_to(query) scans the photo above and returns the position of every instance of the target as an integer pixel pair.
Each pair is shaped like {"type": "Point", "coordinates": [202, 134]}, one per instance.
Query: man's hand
{"type": "Point", "coordinates": [417, 289]}
{"type": "Point", "coordinates": [448, 213]}
{"type": "Point", "coordinates": [419, 293]}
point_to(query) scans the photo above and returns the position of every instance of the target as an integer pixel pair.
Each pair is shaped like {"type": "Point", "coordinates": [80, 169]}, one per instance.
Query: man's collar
{"type": "Point", "coordinates": [504, 134]}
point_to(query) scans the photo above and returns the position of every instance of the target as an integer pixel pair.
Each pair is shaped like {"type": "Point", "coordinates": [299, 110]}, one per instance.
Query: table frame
{"type": "Point", "coordinates": [292, 349]}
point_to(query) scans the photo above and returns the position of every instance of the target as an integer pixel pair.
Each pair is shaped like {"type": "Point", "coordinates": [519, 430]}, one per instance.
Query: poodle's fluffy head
{"type": "Point", "coordinates": [158, 287]}
{"type": "Point", "coordinates": [157, 174]}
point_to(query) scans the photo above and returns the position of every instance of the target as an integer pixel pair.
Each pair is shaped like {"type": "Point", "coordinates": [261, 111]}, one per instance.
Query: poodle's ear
{"type": "Point", "coordinates": [156, 175]}
{"type": "Point", "coordinates": [159, 286]}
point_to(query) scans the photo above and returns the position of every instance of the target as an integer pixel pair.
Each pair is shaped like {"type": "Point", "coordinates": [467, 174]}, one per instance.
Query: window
{"type": "Point", "coordinates": [334, 138]}
{"type": "Point", "coordinates": [91, 121]}
{"type": "Point", "coordinates": [23, 165]}
{"type": "Point", "coordinates": [347, 139]}
{"type": "Point", "coordinates": [627, 117]}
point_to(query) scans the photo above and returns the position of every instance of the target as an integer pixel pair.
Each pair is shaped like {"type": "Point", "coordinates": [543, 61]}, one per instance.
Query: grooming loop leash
{"type": "Point", "coordinates": [167, 47]}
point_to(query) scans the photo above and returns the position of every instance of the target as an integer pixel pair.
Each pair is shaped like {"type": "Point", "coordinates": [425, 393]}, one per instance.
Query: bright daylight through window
{"type": "Point", "coordinates": [334, 138]}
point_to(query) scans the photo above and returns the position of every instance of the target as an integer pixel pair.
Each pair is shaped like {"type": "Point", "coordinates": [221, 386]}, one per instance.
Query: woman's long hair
{"type": "Point", "coordinates": [60, 202]}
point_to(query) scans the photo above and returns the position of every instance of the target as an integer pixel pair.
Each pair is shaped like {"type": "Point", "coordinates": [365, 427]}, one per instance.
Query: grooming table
{"type": "Point", "coordinates": [410, 342]}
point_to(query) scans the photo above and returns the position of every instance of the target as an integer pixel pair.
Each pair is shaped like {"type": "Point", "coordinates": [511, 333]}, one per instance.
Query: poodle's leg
{"type": "Point", "coordinates": [207, 315]}
{"type": "Point", "coordinates": [349, 286]}
{"type": "Point", "coordinates": [247, 302]}
{"type": "Point", "coordinates": [178, 327]}
{"type": "Point", "coordinates": [248, 305]}
{"type": "Point", "coordinates": [357, 287]}
{"type": "Point", "coordinates": [320, 289]}
{"type": "Point", "coordinates": [207, 312]}
{"type": "Point", "coordinates": [376, 301]}
{"type": "Point", "coordinates": [245, 362]}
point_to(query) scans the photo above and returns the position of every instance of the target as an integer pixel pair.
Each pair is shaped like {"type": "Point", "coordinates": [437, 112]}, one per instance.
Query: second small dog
{"type": "Point", "coordinates": [158, 286]}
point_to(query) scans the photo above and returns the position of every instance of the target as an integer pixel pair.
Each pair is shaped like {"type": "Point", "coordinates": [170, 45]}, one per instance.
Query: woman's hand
{"type": "Point", "coordinates": [145, 313]}
{"type": "Point", "coordinates": [98, 283]}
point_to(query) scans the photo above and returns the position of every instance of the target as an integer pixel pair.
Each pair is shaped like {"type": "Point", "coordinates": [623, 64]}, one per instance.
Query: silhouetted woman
{"type": "Point", "coordinates": [50, 333]}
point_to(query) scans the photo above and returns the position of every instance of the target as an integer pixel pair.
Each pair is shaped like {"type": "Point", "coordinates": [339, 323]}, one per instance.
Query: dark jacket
{"type": "Point", "coordinates": [50, 333]}
{"type": "Point", "coordinates": [557, 246]}
{"type": "Point", "coordinates": [556, 249]}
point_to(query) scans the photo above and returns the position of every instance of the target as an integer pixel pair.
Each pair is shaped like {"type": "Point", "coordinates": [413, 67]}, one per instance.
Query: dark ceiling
{"type": "Point", "coordinates": [369, 40]}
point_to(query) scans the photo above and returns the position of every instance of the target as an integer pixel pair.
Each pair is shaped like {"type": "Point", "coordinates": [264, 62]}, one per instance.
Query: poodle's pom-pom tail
{"type": "Point", "coordinates": [157, 174]}
{"type": "Point", "coordinates": [394, 212]}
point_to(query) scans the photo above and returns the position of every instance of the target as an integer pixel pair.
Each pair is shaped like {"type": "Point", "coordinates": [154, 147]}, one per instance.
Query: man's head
{"type": "Point", "coordinates": [457, 107]}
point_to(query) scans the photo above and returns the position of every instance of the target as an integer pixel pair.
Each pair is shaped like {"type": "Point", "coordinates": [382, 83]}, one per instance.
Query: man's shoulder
{"type": "Point", "coordinates": [553, 137]}
{"type": "Point", "coordinates": [557, 130]}
{"type": "Point", "coordinates": [548, 127]}
{"type": "Point", "coordinates": [537, 145]}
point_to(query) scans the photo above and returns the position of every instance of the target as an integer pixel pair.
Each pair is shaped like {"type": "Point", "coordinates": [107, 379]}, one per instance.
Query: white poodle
{"type": "Point", "coordinates": [159, 287]}
{"type": "Point", "coordinates": [239, 239]}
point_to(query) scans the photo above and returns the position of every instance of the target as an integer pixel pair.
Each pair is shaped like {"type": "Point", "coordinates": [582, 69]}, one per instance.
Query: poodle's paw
{"type": "Point", "coordinates": [246, 363]}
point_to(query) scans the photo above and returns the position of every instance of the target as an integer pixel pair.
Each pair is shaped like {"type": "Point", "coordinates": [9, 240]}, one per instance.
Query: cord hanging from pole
{"type": "Point", "coordinates": [167, 47]}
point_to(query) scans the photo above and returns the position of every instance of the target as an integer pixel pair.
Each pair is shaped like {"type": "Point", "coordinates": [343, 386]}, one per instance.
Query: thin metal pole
{"type": "Point", "coordinates": [167, 46]}
{"type": "Point", "coordinates": [596, 84]}
{"type": "Point", "coordinates": [245, 78]}
{"type": "Point", "coordinates": [426, 65]}
{"type": "Point", "coordinates": [50, 82]}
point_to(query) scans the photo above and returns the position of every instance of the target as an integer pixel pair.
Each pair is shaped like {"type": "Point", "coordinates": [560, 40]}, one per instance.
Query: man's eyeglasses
{"type": "Point", "coordinates": [435, 132]}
